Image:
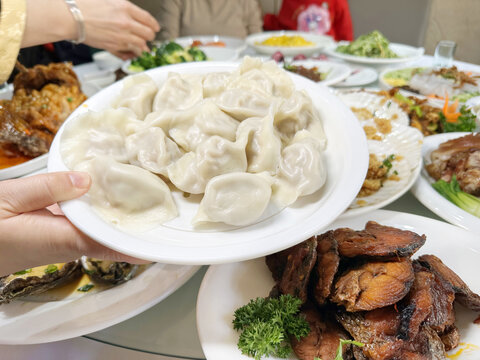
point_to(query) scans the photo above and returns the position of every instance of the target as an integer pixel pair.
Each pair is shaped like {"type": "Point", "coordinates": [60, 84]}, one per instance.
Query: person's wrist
{"type": "Point", "coordinates": [79, 21]}
{"type": "Point", "coordinates": [67, 25]}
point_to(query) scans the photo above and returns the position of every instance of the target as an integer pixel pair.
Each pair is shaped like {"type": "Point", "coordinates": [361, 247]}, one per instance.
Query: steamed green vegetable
{"type": "Point", "coordinates": [266, 325]}
{"type": "Point", "coordinates": [451, 191]}
{"type": "Point", "coordinates": [167, 54]}
{"type": "Point", "coordinates": [373, 45]}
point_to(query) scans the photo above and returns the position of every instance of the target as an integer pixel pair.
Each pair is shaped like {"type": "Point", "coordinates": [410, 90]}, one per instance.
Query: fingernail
{"type": "Point", "coordinates": [80, 180]}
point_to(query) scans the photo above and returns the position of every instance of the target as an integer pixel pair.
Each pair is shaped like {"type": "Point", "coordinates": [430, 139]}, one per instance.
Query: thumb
{"type": "Point", "coordinates": [37, 192]}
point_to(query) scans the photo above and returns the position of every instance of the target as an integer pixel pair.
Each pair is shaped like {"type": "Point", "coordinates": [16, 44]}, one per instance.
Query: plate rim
{"type": "Point", "coordinates": [186, 272]}
{"type": "Point", "coordinates": [344, 68]}
{"type": "Point", "coordinates": [428, 196]}
{"type": "Point", "coordinates": [376, 215]}
{"type": "Point", "coordinates": [228, 252]}
{"type": "Point", "coordinates": [417, 52]}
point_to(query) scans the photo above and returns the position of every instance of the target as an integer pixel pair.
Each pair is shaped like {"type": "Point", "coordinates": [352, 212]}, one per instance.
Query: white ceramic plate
{"type": "Point", "coordinates": [429, 197]}
{"type": "Point", "coordinates": [358, 77]}
{"type": "Point", "coordinates": [227, 287]}
{"type": "Point", "coordinates": [178, 242]}
{"type": "Point", "coordinates": [406, 53]}
{"type": "Point", "coordinates": [213, 54]}
{"type": "Point", "coordinates": [28, 166]}
{"type": "Point", "coordinates": [30, 322]}
{"type": "Point", "coordinates": [335, 72]}
{"type": "Point", "coordinates": [319, 43]}
{"type": "Point", "coordinates": [237, 44]}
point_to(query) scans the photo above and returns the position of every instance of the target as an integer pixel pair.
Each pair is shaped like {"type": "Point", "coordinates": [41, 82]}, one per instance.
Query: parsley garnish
{"type": "Point", "coordinates": [266, 325]}
{"type": "Point", "coordinates": [51, 269]}
{"type": "Point", "coordinates": [85, 287]}
{"type": "Point", "coordinates": [22, 272]}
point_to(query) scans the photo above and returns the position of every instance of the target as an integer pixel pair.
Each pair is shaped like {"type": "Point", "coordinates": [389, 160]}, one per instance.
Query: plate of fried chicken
{"type": "Point", "coordinates": [390, 282]}
{"type": "Point", "coordinates": [445, 155]}
{"type": "Point", "coordinates": [41, 99]}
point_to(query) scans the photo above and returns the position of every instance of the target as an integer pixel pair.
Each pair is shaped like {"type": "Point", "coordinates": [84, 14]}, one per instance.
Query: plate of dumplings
{"type": "Point", "coordinates": [216, 162]}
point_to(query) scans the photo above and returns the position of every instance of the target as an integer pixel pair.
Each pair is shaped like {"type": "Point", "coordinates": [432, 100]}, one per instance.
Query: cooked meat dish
{"type": "Point", "coordinates": [459, 157]}
{"type": "Point", "coordinates": [377, 174]}
{"type": "Point", "coordinates": [373, 285]}
{"type": "Point", "coordinates": [43, 98]}
{"type": "Point", "coordinates": [363, 285]}
{"type": "Point", "coordinates": [326, 267]}
{"type": "Point", "coordinates": [378, 241]}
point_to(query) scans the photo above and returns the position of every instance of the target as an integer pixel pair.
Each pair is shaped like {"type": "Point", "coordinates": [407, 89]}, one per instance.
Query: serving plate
{"type": "Point", "coordinates": [28, 166]}
{"type": "Point", "coordinates": [428, 196]}
{"type": "Point", "coordinates": [228, 287]}
{"type": "Point", "coordinates": [406, 53]}
{"type": "Point", "coordinates": [213, 54]}
{"type": "Point", "coordinates": [33, 322]}
{"type": "Point", "coordinates": [235, 43]}
{"type": "Point", "coordinates": [177, 241]}
{"type": "Point", "coordinates": [359, 76]}
{"type": "Point", "coordinates": [319, 43]}
{"type": "Point", "coordinates": [336, 72]}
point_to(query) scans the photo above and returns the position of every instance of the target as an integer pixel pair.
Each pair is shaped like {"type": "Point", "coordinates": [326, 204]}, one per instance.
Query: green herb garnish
{"type": "Point", "coordinates": [465, 122]}
{"type": "Point", "coordinates": [339, 354]}
{"type": "Point", "coordinates": [452, 192]}
{"type": "Point", "coordinates": [85, 287]}
{"type": "Point", "coordinates": [51, 269]}
{"type": "Point", "coordinates": [69, 99]}
{"type": "Point", "coordinates": [22, 272]}
{"type": "Point", "coordinates": [266, 325]}
{"type": "Point", "coordinates": [388, 162]}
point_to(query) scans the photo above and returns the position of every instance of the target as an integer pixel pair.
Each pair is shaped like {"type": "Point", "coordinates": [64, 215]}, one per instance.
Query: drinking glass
{"type": "Point", "coordinates": [444, 53]}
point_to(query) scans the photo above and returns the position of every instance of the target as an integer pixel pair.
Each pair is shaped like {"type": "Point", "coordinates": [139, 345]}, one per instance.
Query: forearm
{"type": "Point", "coordinates": [48, 21]}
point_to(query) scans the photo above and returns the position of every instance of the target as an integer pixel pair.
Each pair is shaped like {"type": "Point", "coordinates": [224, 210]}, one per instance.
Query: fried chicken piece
{"type": "Point", "coordinates": [377, 241]}
{"type": "Point", "coordinates": [326, 266]}
{"type": "Point", "coordinates": [373, 285]}
{"type": "Point", "coordinates": [463, 294]}
{"type": "Point", "coordinates": [297, 263]}
{"type": "Point", "coordinates": [427, 345]}
{"type": "Point", "coordinates": [323, 339]}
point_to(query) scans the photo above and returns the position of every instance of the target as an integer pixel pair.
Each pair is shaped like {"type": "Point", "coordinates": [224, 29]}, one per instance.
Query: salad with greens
{"type": "Point", "coordinates": [167, 54]}
{"type": "Point", "coordinates": [372, 45]}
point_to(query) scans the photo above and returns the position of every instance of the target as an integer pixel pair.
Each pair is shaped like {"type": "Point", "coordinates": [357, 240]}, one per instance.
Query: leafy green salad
{"type": "Point", "coordinates": [167, 54]}
{"type": "Point", "coordinates": [372, 45]}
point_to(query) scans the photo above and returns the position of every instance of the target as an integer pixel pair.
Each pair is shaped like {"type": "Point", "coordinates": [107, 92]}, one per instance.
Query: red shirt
{"type": "Point", "coordinates": [286, 19]}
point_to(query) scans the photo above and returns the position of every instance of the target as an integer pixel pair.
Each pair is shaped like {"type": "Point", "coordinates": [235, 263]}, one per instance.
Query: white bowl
{"type": "Point", "coordinates": [107, 61]}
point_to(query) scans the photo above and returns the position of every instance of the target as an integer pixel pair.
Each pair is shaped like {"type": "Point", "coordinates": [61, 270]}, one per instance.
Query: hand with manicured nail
{"type": "Point", "coordinates": [33, 230]}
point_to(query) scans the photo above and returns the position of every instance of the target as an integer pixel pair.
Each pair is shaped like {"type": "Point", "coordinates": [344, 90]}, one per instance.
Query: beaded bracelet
{"type": "Point", "coordinates": [77, 15]}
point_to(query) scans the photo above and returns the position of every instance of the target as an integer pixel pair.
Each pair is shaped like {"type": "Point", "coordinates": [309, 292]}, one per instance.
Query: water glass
{"type": "Point", "coordinates": [444, 53]}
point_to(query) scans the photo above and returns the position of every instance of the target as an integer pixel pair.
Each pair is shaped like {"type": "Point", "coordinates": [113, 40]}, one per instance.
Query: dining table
{"type": "Point", "coordinates": [168, 329]}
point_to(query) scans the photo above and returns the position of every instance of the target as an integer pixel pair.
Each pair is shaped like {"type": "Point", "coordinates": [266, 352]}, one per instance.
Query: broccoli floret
{"type": "Point", "coordinates": [172, 47]}
{"type": "Point", "coordinates": [197, 54]}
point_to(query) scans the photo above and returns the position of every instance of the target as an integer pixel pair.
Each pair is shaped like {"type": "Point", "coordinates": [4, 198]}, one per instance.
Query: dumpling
{"type": "Point", "coordinates": [282, 83]}
{"type": "Point", "coordinates": [126, 195]}
{"type": "Point", "coordinates": [214, 83]}
{"type": "Point", "coordinates": [242, 103]}
{"type": "Point", "coordinates": [253, 80]}
{"type": "Point", "coordinates": [263, 146]}
{"type": "Point", "coordinates": [235, 198]}
{"type": "Point", "coordinates": [298, 113]}
{"type": "Point", "coordinates": [137, 95]}
{"type": "Point", "coordinates": [179, 92]}
{"type": "Point", "coordinates": [193, 126]}
{"type": "Point", "coordinates": [302, 170]}
{"type": "Point", "coordinates": [214, 157]}
{"type": "Point", "coordinates": [98, 133]}
{"type": "Point", "coordinates": [150, 149]}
